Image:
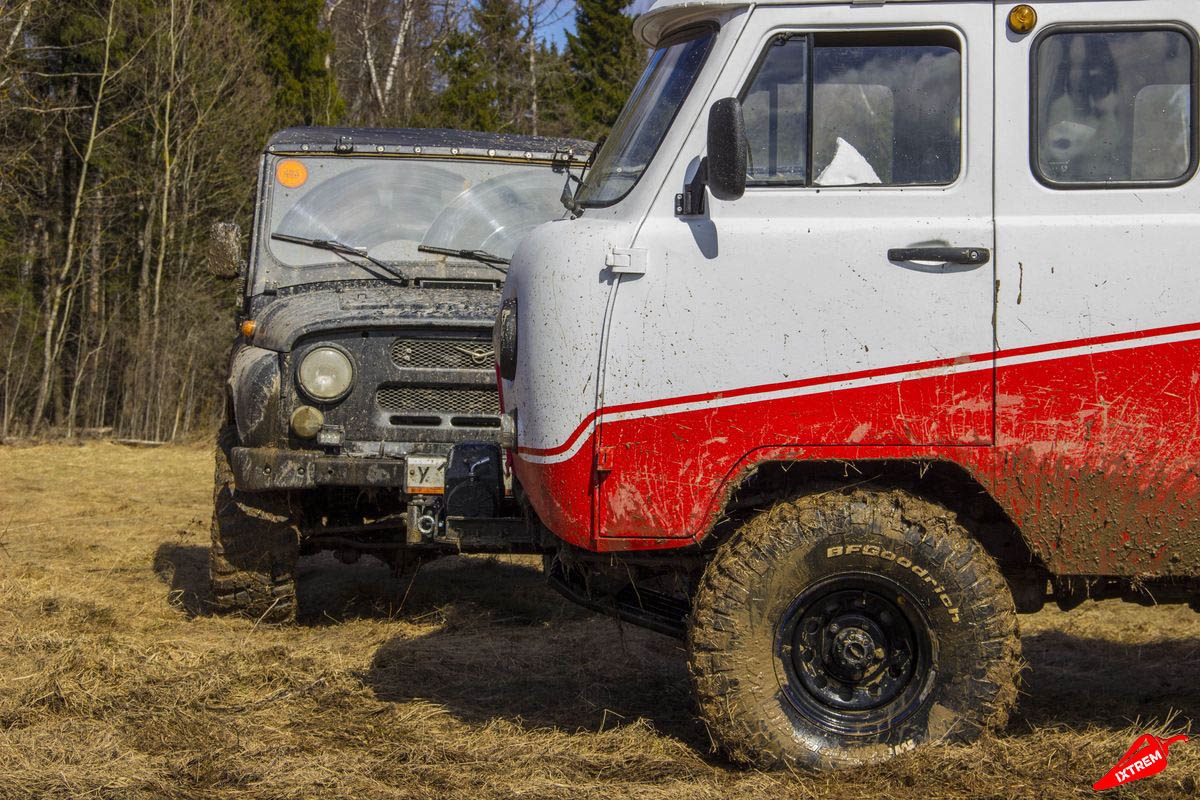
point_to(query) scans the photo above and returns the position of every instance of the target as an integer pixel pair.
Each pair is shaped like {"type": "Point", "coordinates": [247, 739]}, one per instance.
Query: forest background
{"type": "Point", "coordinates": [127, 127]}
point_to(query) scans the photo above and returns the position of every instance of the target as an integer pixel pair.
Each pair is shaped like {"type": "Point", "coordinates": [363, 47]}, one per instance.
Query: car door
{"type": "Point", "coordinates": [1098, 361]}
{"type": "Point", "coordinates": [846, 300]}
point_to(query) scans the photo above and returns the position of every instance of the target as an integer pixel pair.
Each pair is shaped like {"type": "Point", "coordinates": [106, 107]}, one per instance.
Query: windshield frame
{"type": "Point", "coordinates": [686, 34]}
{"type": "Point", "coordinates": [272, 272]}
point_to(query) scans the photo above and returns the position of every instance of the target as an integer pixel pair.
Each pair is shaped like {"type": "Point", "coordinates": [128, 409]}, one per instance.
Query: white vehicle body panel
{"type": "Point", "coordinates": [662, 358]}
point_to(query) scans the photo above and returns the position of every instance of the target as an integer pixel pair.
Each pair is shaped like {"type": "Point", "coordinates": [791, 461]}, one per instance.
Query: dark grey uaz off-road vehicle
{"type": "Point", "coordinates": [365, 355]}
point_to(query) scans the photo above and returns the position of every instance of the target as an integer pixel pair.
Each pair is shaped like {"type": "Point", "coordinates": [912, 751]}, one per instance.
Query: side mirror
{"type": "Point", "coordinates": [726, 149]}
{"type": "Point", "coordinates": [224, 256]}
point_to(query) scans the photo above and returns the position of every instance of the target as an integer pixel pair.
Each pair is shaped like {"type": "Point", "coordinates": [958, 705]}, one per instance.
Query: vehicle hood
{"type": "Point", "coordinates": [289, 317]}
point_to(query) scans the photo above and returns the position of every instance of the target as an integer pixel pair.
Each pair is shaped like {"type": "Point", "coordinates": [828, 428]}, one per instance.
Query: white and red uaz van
{"type": "Point", "coordinates": [873, 324]}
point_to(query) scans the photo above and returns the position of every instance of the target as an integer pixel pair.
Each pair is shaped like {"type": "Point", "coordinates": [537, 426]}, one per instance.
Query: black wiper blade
{"type": "Point", "coordinates": [569, 195]}
{"type": "Point", "coordinates": [567, 198]}
{"type": "Point", "coordinates": [334, 246]}
{"type": "Point", "coordinates": [481, 256]}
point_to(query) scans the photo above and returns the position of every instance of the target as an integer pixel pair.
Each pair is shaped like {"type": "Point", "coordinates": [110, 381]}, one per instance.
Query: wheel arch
{"type": "Point", "coordinates": [763, 483]}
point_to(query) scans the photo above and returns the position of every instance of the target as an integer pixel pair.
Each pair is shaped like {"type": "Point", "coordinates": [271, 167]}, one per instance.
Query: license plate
{"type": "Point", "coordinates": [425, 475]}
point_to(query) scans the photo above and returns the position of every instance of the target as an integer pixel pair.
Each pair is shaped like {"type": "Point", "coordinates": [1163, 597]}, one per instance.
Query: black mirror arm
{"type": "Point", "coordinates": [690, 202]}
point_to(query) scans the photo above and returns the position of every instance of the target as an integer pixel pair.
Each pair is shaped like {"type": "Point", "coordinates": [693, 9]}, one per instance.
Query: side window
{"type": "Point", "coordinates": [1114, 107]}
{"type": "Point", "coordinates": [775, 110]}
{"type": "Point", "coordinates": [886, 110]}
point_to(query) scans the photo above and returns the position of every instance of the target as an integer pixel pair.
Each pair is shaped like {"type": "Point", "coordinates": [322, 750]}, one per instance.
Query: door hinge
{"type": "Point", "coordinates": [626, 260]}
{"type": "Point", "coordinates": [605, 458]}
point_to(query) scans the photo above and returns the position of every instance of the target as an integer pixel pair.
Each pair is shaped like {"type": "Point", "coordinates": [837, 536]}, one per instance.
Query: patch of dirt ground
{"type": "Point", "coordinates": [471, 679]}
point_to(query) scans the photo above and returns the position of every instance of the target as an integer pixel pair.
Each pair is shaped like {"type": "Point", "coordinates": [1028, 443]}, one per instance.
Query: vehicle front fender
{"type": "Point", "coordinates": [254, 385]}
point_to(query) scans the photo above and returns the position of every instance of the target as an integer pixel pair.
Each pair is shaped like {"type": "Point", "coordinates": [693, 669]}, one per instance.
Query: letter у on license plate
{"type": "Point", "coordinates": [425, 475]}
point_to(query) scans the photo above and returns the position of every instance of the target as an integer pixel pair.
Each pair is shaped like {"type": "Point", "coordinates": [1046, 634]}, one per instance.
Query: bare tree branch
{"type": "Point", "coordinates": [49, 354]}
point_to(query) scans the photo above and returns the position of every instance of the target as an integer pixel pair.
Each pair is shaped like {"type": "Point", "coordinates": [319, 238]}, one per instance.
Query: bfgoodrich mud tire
{"type": "Point", "coordinates": [255, 545]}
{"type": "Point", "coordinates": [843, 628]}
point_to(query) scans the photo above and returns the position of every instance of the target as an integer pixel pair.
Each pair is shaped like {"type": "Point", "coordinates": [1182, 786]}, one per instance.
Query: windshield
{"type": "Point", "coordinates": [390, 207]}
{"type": "Point", "coordinates": [646, 117]}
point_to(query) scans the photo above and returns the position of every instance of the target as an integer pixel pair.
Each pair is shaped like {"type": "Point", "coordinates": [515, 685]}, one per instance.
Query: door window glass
{"type": "Point", "coordinates": [775, 111]}
{"type": "Point", "coordinates": [886, 110]}
{"type": "Point", "coordinates": [1114, 107]}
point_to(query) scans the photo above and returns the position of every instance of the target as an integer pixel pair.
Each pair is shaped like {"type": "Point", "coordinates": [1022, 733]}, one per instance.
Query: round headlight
{"type": "Point", "coordinates": [326, 374]}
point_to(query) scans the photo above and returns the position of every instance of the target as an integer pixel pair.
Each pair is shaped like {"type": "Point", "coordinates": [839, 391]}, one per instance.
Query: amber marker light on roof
{"type": "Point", "coordinates": [1022, 19]}
{"type": "Point", "coordinates": [291, 173]}
{"type": "Point", "coordinates": [248, 328]}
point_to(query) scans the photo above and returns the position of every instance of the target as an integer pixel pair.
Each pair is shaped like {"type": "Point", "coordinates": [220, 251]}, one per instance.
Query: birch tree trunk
{"type": "Point", "coordinates": [398, 46]}
{"type": "Point", "coordinates": [58, 278]}
{"type": "Point", "coordinates": [531, 43]}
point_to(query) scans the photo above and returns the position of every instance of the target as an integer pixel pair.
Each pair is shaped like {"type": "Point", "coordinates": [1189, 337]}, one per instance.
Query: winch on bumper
{"type": "Point", "coordinates": [258, 469]}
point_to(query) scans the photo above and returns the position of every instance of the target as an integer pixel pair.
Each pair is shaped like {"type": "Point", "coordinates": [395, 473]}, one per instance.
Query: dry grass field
{"type": "Point", "coordinates": [470, 679]}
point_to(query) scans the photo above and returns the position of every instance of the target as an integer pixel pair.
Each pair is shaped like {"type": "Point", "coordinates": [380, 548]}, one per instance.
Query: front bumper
{"type": "Point", "coordinates": [461, 520]}
{"type": "Point", "coordinates": [258, 469]}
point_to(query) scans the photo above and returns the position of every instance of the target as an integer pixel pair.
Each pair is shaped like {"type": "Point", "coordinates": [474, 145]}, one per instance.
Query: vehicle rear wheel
{"type": "Point", "coordinates": [844, 628]}
{"type": "Point", "coordinates": [255, 545]}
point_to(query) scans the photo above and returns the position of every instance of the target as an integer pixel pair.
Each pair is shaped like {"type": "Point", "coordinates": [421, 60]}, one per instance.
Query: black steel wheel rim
{"type": "Point", "coordinates": [856, 652]}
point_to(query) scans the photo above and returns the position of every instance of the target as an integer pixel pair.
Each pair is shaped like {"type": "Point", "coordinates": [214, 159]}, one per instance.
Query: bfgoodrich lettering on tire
{"type": "Point", "coordinates": [252, 561]}
{"type": "Point", "coordinates": [843, 628]}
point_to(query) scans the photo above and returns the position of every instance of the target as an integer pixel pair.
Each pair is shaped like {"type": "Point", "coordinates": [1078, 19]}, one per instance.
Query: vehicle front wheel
{"type": "Point", "coordinates": [844, 628]}
{"type": "Point", "coordinates": [255, 546]}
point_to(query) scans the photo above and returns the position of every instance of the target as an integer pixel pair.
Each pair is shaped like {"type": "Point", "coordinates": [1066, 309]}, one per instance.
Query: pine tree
{"type": "Point", "coordinates": [485, 72]}
{"type": "Point", "coordinates": [295, 54]}
{"type": "Point", "coordinates": [556, 114]}
{"type": "Point", "coordinates": [606, 61]}
{"type": "Point", "coordinates": [469, 99]}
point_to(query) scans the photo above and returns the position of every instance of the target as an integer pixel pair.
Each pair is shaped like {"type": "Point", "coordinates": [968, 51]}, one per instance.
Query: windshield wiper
{"type": "Point", "coordinates": [482, 256]}
{"type": "Point", "coordinates": [567, 198]}
{"type": "Point", "coordinates": [334, 246]}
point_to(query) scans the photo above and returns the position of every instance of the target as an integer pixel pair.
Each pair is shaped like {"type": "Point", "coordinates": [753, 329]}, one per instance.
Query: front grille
{"type": "Point", "coordinates": [440, 399]}
{"type": "Point", "coordinates": [442, 353]}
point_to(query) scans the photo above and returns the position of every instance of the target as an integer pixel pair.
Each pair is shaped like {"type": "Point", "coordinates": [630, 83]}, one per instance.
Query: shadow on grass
{"type": "Point", "coordinates": [1083, 681]}
{"type": "Point", "coordinates": [506, 646]}
{"type": "Point", "coordinates": [570, 670]}
{"type": "Point", "coordinates": [446, 590]}
{"type": "Point", "coordinates": [590, 675]}
{"type": "Point", "coordinates": [184, 569]}
{"type": "Point", "coordinates": [500, 591]}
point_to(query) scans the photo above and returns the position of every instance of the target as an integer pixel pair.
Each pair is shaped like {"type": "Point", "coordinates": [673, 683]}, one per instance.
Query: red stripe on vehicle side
{"type": "Point", "coordinates": [877, 372]}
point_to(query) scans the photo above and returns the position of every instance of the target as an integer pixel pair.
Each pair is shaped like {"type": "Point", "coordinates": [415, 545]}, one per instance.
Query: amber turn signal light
{"type": "Point", "coordinates": [1022, 19]}
{"type": "Point", "coordinates": [248, 328]}
{"type": "Point", "coordinates": [307, 421]}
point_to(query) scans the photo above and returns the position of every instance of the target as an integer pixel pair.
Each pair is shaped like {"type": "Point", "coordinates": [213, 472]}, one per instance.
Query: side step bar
{"type": "Point", "coordinates": [645, 608]}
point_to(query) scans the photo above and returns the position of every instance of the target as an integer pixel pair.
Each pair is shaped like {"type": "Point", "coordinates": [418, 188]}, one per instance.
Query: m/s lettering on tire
{"type": "Point", "coordinates": [875, 551]}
